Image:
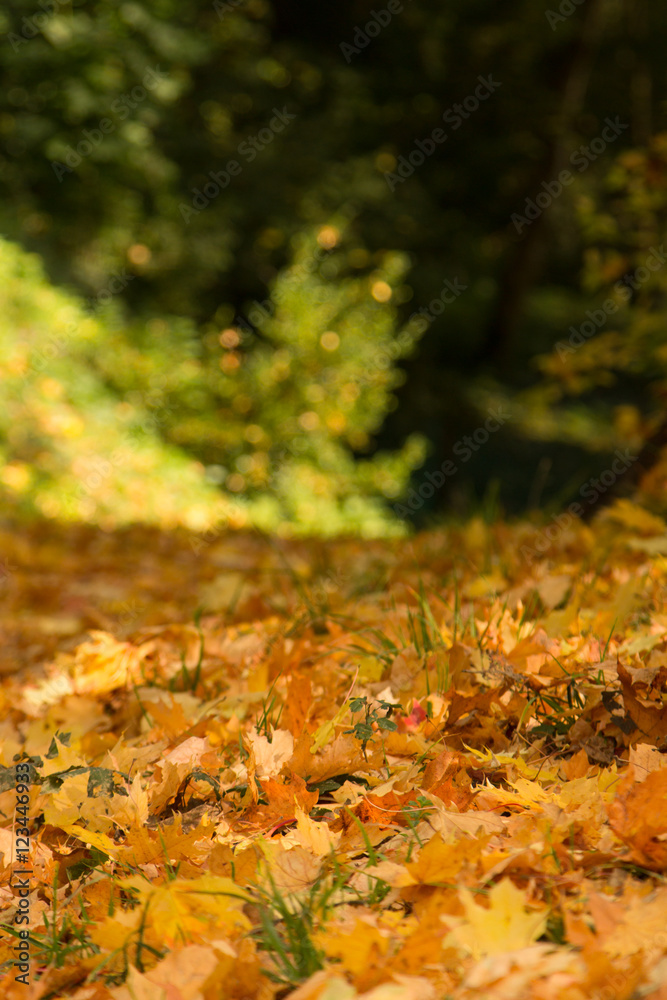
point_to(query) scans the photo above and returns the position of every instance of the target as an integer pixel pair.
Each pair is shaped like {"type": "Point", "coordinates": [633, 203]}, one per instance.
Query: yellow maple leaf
{"type": "Point", "coordinates": [179, 976]}
{"type": "Point", "coordinates": [114, 933]}
{"type": "Point", "coordinates": [270, 757]}
{"type": "Point", "coordinates": [293, 870]}
{"type": "Point", "coordinates": [93, 839]}
{"type": "Point", "coordinates": [324, 734]}
{"type": "Point", "coordinates": [103, 663]}
{"type": "Point", "coordinates": [155, 847]}
{"type": "Point", "coordinates": [439, 862]}
{"type": "Point", "coordinates": [184, 908]}
{"type": "Point", "coordinates": [63, 807]}
{"type": "Point", "coordinates": [66, 756]}
{"type": "Point", "coordinates": [503, 926]}
{"type": "Point", "coordinates": [317, 837]}
{"type": "Point", "coordinates": [140, 987]}
{"type": "Point", "coordinates": [357, 947]}
{"type": "Point", "coordinates": [132, 809]}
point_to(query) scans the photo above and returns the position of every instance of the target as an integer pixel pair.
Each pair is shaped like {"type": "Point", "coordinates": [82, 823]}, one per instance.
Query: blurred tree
{"type": "Point", "coordinates": [100, 415]}
{"type": "Point", "coordinates": [615, 361]}
{"type": "Point", "coordinates": [69, 446]}
{"type": "Point", "coordinates": [138, 157]}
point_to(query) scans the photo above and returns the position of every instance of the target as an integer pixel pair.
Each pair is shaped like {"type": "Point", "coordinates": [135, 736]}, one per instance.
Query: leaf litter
{"type": "Point", "coordinates": [269, 768]}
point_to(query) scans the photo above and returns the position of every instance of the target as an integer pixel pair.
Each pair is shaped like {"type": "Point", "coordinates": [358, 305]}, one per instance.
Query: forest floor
{"type": "Point", "coordinates": [247, 767]}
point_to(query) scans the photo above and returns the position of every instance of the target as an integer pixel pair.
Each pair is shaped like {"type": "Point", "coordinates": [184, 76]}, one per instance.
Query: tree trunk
{"type": "Point", "coordinates": [526, 258]}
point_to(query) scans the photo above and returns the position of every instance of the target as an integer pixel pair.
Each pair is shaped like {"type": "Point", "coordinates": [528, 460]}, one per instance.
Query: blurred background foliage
{"type": "Point", "coordinates": [247, 348]}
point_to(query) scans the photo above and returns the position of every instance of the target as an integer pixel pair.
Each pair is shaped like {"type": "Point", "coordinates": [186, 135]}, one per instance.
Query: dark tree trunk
{"type": "Point", "coordinates": [526, 258]}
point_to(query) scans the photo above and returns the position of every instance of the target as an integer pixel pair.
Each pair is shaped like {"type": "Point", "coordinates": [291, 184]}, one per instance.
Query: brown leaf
{"type": "Point", "coordinates": [638, 815]}
{"type": "Point", "coordinates": [650, 720]}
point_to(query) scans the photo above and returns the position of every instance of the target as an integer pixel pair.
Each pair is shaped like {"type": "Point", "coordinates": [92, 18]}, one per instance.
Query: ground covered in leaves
{"type": "Point", "coordinates": [408, 770]}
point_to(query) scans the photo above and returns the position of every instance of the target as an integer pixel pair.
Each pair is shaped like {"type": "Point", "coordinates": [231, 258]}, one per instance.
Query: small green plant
{"type": "Point", "coordinates": [190, 679]}
{"type": "Point", "coordinates": [555, 713]}
{"type": "Point", "coordinates": [377, 717]}
{"type": "Point", "coordinates": [413, 813]}
{"type": "Point", "coordinates": [287, 924]}
{"type": "Point", "coordinates": [60, 944]}
{"type": "Point", "coordinates": [555, 931]}
{"type": "Point", "coordinates": [266, 722]}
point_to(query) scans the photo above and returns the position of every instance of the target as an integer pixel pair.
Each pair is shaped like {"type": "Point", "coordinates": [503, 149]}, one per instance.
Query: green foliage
{"type": "Point", "coordinates": [63, 940]}
{"type": "Point", "coordinates": [287, 926]}
{"type": "Point", "coordinates": [70, 447]}
{"type": "Point", "coordinates": [377, 718]}
{"type": "Point", "coordinates": [115, 117]}
{"type": "Point", "coordinates": [317, 385]}
{"type": "Point", "coordinates": [624, 223]}
{"type": "Point", "coordinates": [605, 382]}
{"type": "Point", "coordinates": [102, 417]}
